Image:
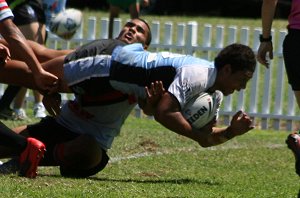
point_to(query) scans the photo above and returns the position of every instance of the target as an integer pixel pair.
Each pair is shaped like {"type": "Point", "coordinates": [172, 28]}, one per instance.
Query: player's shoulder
{"type": "Point", "coordinates": [104, 43]}
{"type": "Point", "coordinates": [96, 47]}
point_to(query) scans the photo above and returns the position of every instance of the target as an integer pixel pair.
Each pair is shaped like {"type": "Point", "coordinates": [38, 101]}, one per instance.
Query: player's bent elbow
{"type": "Point", "coordinates": [205, 142]}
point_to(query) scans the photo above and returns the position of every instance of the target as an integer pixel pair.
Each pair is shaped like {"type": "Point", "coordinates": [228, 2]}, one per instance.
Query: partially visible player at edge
{"type": "Point", "coordinates": [291, 45]}
{"type": "Point", "coordinates": [29, 148]}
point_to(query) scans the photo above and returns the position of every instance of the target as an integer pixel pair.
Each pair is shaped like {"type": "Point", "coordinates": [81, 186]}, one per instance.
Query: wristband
{"type": "Point", "coordinates": [262, 39]}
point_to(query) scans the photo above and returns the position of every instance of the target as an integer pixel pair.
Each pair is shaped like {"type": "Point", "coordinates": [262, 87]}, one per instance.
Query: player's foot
{"type": "Point", "coordinates": [30, 158]}
{"type": "Point", "coordinates": [20, 114]}
{"type": "Point", "coordinates": [10, 167]}
{"type": "Point", "coordinates": [293, 143]}
{"type": "Point", "coordinates": [39, 110]}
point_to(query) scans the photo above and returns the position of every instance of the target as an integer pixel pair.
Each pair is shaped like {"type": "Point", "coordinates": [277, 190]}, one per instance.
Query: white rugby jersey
{"type": "Point", "coordinates": [108, 78]}
{"type": "Point", "coordinates": [184, 76]}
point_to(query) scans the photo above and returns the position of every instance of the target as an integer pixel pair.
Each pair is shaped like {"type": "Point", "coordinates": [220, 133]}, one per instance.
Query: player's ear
{"type": "Point", "coordinates": [227, 69]}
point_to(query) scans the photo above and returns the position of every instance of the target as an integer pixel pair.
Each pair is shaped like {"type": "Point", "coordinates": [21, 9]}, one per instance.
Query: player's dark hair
{"type": "Point", "coordinates": [239, 56]}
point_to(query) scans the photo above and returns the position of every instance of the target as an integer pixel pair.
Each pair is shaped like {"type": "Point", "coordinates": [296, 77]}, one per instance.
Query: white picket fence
{"type": "Point", "coordinates": [267, 98]}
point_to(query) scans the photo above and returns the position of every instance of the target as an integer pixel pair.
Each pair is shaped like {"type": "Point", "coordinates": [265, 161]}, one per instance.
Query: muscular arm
{"type": "Point", "coordinates": [17, 73]}
{"type": "Point", "coordinates": [45, 54]}
{"type": "Point", "coordinates": [20, 47]}
{"type": "Point", "coordinates": [267, 15]}
{"type": "Point", "coordinates": [42, 53]}
{"type": "Point", "coordinates": [169, 115]}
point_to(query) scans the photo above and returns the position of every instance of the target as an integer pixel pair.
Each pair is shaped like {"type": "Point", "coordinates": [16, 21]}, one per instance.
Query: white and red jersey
{"type": "Point", "coordinates": [5, 11]}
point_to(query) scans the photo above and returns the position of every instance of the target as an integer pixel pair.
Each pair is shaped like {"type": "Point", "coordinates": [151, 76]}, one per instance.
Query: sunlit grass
{"type": "Point", "coordinates": [148, 160]}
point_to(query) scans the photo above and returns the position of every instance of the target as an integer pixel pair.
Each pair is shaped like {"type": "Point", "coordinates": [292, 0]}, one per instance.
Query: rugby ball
{"type": "Point", "coordinates": [202, 108]}
{"type": "Point", "coordinates": [66, 23]}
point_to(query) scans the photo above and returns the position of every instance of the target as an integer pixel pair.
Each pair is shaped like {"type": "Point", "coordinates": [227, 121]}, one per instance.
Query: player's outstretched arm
{"type": "Point", "coordinates": [240, 124]}
{"type": "Point", "coordinates": [42, 53]}
{"type": "Point", "coordinates": [20, 47]}
{"type": "Point", "coordinates": [168, 113]}
{"type": "Point", "coordinates": [17, 73]}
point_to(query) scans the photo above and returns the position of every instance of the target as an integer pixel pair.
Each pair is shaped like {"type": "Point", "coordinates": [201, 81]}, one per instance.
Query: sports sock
{"type": "Point", "coordinates": [9, 94]}
{"type": "Point", "coordinates": [11, 139]}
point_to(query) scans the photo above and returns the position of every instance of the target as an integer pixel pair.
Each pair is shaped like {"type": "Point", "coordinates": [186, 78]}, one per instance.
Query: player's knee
{"type": "Point", "coordinates": [90, 152]}
{"type": "Point", "coordinates": [83, 173]}
{"type": "Point", "coordinates": [89, 160]}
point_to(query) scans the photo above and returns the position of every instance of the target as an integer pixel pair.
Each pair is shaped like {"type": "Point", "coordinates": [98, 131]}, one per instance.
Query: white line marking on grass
{"type": "Point", "coordinates": [173, 151]}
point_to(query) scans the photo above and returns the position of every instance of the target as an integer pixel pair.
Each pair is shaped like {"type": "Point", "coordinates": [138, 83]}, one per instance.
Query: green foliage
{"type": "Point", "coordinates": [148, 160]}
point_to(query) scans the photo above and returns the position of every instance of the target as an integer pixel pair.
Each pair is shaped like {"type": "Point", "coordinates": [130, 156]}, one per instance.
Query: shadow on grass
{"type": "Point", "coordinates": [152, 181]}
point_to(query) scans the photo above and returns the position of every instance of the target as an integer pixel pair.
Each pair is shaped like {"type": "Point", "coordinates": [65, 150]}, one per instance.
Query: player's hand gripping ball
{"type": "Point", "coordinates": [201, 109]}
{"type": "Point", "coordinates": [66, 23]}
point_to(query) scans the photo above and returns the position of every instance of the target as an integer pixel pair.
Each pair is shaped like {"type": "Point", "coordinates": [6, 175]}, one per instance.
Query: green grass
{"type": "Point", "coordinates": [148, 160]}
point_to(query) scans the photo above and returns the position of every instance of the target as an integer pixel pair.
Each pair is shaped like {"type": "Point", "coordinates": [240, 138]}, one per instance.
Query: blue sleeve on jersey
{"type": "Point", "coordinates": [136, 47]}
{"type": "Point", "coordinates": [128, 54]}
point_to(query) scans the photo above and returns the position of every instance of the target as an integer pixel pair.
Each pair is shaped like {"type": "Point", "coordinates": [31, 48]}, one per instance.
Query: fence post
{"type": "Point", "coordinates": [191, 40]}
{"type": "Point", "coordinates": [206, 41]}
{"type": "Point", "coordinates": [244, 39]}
{"type": "Point", "coordinates": [180, 34]}
{"type": "Point", "coordinates": [104, 23]}
{"type": "Point", "coordinates": [228, 99]}
{"type": "Point", "coordinates": [117, 25]}
{"type": "Point", "coordinates": [168, 34]}
{"type": "Point", "coordinates": [219, 37]}
{"type": "Point", "coordinates": [155, 30]}
{"type": "Point", "coordinates": [91, 29]}
{"type": "Point", "coordinates": [279, 88]}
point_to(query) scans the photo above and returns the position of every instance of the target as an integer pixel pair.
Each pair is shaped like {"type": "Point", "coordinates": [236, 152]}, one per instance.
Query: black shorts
{"type": "Point", "coordinates": [291, 54]}
{"type": "Point", "coordinates": [29, 12]}
{"type": "Point", "coordinates": [52, 133]}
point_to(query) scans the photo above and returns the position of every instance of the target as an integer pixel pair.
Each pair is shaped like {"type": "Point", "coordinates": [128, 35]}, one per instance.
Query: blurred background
{"type": "Point", "coordinates": [224, 8]}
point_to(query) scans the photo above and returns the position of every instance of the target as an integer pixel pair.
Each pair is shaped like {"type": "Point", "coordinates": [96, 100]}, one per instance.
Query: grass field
{"type": "Point", "coordinates": [147, 160]}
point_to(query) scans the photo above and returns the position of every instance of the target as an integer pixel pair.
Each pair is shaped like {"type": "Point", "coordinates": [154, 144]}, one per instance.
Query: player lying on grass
{"type": "Point", "coordinates": [137, 30]}
{"type": "Point", "coordinates": [107, 88]}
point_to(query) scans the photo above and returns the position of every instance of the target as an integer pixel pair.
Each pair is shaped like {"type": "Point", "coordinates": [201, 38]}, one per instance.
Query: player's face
{"type": "Point", "coordinates": [134, 31]}
{"type": "Point", "coordinates": [235, 82]}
